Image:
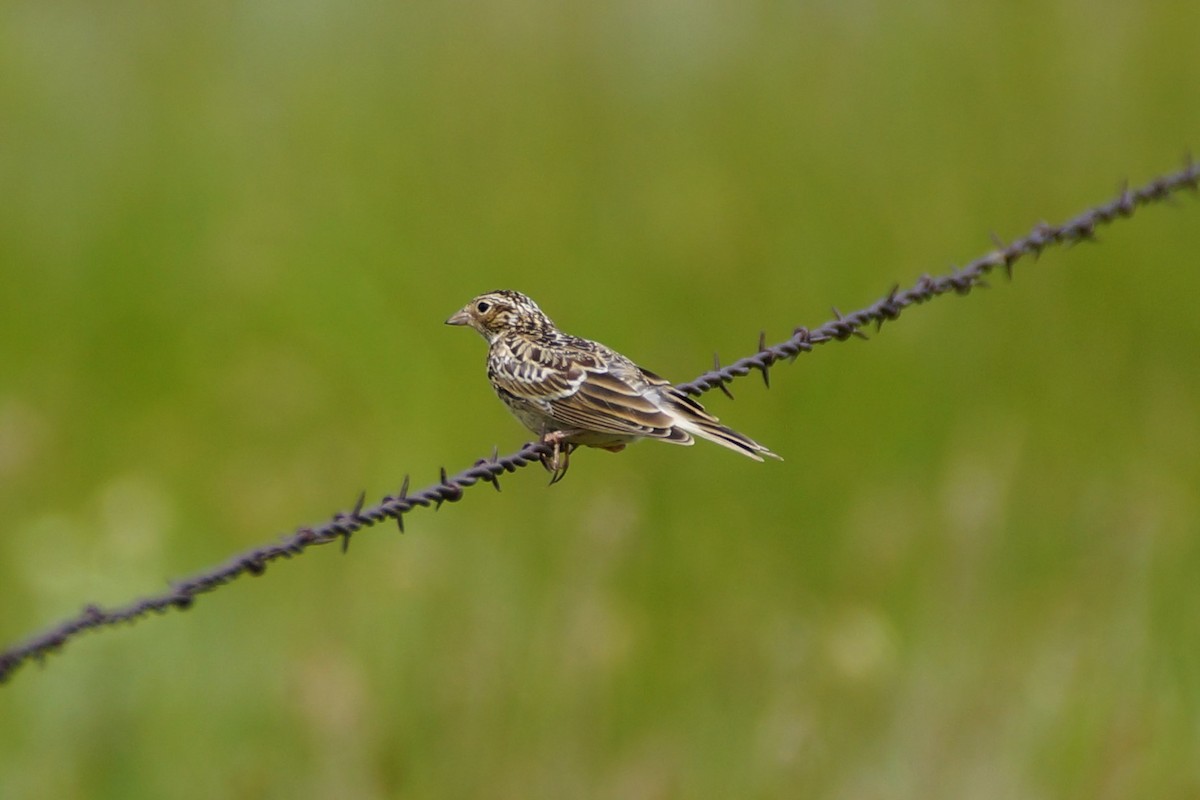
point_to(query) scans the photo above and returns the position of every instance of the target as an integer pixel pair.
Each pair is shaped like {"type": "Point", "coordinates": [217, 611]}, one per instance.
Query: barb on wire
{"type": "Point", "coordinates": [449, 489]}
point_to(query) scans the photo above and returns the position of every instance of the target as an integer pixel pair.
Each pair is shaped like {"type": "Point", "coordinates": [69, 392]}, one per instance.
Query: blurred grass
{"type": "Point", "coordinates": [228, 238]}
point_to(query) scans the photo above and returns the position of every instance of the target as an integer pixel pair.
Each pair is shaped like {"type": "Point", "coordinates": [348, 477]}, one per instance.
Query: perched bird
{"type": "Point", "coordinates": [571, 391]}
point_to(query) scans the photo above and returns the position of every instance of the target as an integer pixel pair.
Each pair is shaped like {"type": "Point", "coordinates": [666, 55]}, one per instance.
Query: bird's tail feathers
{"type": "Point", "coordinates": [727, 437]}
{"type": "Point", "coordinates": [692, 417]}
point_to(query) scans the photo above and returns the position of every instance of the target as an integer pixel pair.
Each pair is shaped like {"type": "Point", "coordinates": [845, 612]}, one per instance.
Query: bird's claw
{"type": "Point", "coordinates": [559, 458]}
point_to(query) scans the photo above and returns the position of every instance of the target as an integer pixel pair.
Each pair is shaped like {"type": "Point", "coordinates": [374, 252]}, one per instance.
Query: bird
{"type": "Point", "coordinates": [575, 392]}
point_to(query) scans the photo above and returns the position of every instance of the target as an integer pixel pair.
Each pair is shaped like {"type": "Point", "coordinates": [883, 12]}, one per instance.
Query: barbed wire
{"type": "Point", "coordinates": [450, 489]}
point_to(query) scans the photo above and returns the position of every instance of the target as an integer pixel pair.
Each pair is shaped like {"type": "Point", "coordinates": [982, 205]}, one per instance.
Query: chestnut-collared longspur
{"type": "Point", "coordinates": [572, 391]}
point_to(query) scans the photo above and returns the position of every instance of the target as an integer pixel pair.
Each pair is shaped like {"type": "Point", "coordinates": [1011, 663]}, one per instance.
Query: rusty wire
{"type": "Point", "coordinates": [449, 489]}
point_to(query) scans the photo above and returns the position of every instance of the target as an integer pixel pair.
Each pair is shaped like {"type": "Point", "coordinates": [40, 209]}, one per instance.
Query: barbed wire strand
{"type": "Point", "coordinates": [449, 489]}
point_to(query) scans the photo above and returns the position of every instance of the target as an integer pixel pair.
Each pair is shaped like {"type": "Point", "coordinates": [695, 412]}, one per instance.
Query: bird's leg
{"type": "Point", "coordinates": [560, 455]}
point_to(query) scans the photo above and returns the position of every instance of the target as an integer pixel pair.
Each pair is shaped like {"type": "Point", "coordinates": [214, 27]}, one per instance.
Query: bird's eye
{"type": "Point", "coordinates": [482, 307]}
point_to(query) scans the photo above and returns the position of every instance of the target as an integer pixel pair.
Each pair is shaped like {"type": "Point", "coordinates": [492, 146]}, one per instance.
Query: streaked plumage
{"type": "Point", "coordinates": [573, 391]}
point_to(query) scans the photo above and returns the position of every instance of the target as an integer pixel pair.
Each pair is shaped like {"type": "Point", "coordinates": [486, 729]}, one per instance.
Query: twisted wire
{"type": "Point", "coordinates": [449, 489]}
{"type": "Point", "coordinates": [1080, 228]}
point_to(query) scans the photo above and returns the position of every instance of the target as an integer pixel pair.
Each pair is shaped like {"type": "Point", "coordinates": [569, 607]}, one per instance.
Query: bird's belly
{"type": "Point", "coordinates": [529, 414]}
{"type": "Point", "coordinates": [598, 438]}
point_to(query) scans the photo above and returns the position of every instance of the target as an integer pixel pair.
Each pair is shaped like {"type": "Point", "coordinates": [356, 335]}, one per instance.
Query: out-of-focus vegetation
{"type": "Point", "coordinates": [229, 235]}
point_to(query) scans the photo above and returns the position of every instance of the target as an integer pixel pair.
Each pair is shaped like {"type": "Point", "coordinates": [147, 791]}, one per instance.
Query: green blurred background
{"type": "Point", "coordinates": [229, 235]}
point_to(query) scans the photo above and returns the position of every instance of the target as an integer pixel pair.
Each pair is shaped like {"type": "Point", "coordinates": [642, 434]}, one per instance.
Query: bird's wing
{"type": "Point", "coordinates": [590, 388]}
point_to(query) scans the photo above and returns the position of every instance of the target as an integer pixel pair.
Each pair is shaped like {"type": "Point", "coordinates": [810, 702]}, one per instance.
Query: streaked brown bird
{"type": "Point", "coordinates": [571, 391]}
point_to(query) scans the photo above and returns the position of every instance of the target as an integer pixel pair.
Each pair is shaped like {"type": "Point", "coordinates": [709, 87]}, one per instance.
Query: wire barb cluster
{"type": "Point", "coordinates": [449, 489]}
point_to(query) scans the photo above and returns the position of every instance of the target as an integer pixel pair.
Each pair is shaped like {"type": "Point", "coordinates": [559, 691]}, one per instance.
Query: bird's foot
{"type": "Point", "coordinates": [559, 458]}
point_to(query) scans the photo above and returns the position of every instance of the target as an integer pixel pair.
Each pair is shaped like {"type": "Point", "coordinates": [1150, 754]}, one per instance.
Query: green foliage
{"type": "Point", "coordinates": [229, 236]}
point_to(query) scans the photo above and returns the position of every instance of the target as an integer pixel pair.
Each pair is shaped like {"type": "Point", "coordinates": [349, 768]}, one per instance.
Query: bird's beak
{"type": "Point", "coordinates": [459, 317]}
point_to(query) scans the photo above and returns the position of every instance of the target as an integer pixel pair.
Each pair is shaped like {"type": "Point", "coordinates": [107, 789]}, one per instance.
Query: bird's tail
{"type": "Point", "coordinates": [692, 418]}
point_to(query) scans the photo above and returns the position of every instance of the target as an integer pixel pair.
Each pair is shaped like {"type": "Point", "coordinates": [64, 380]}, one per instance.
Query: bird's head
{"type": "Point", "coordinates": [500, 312]}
